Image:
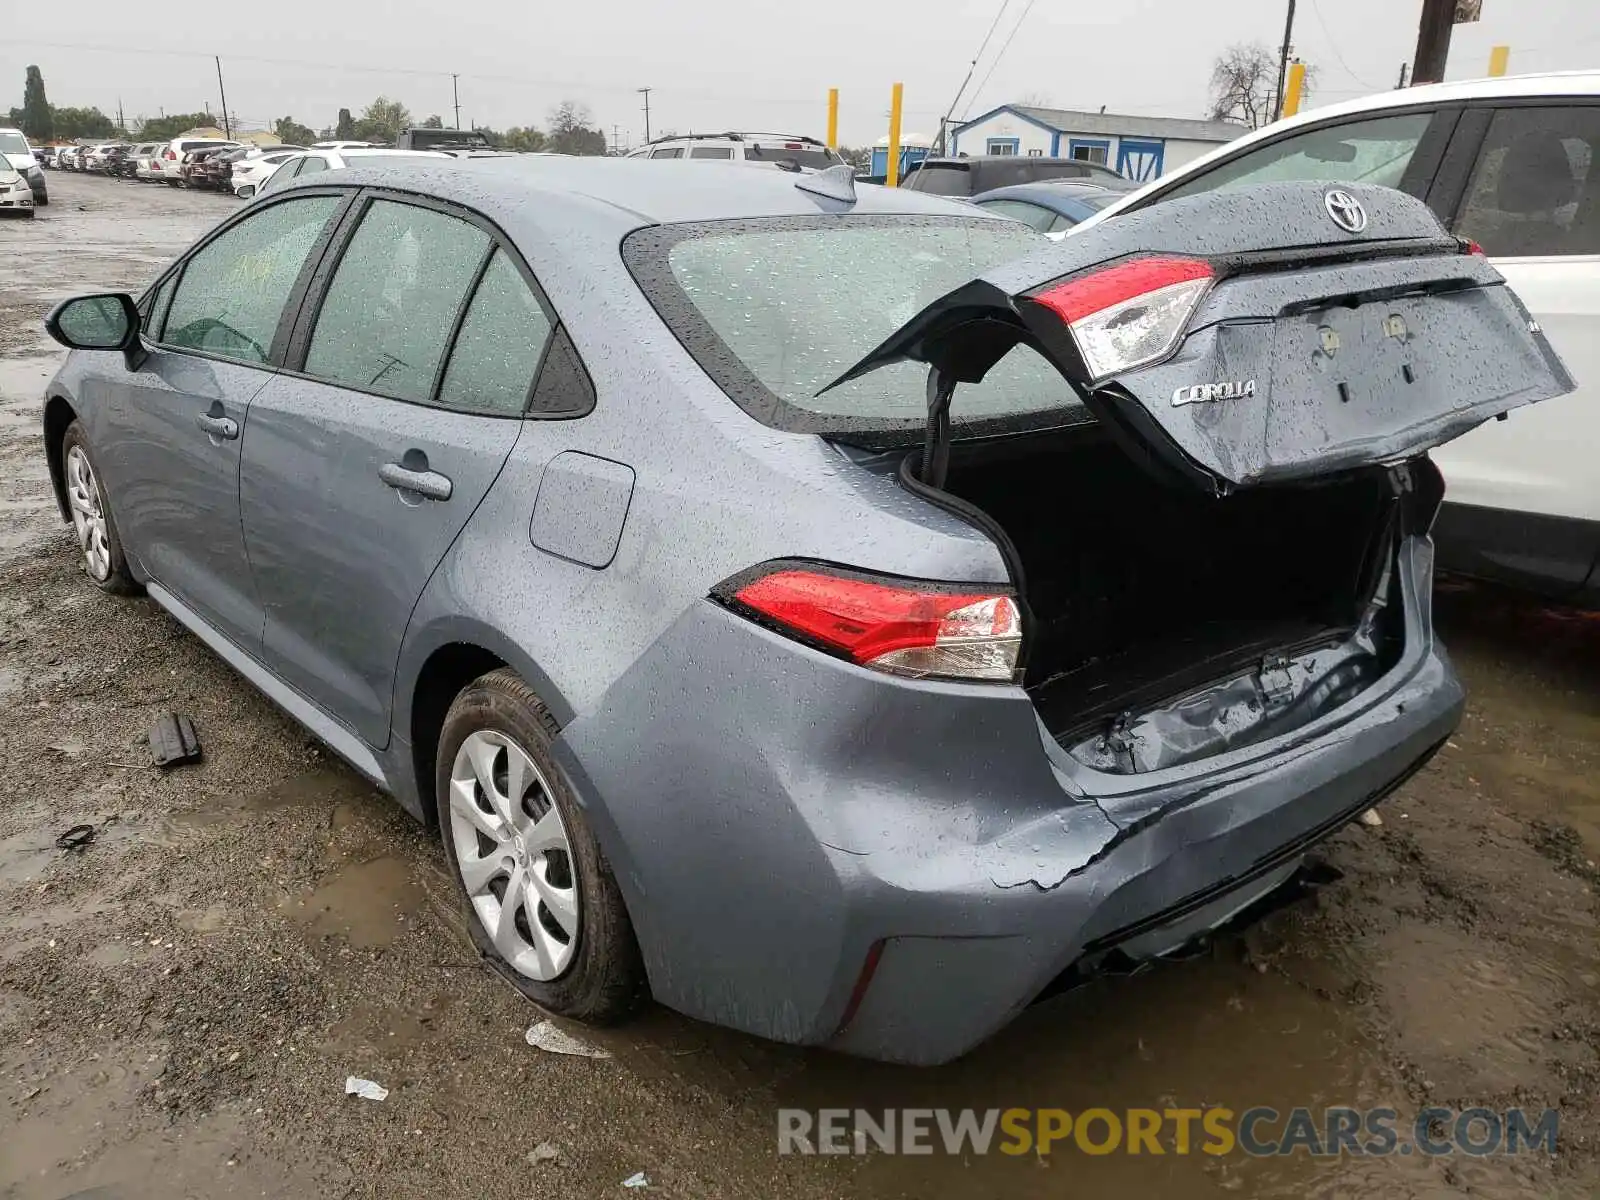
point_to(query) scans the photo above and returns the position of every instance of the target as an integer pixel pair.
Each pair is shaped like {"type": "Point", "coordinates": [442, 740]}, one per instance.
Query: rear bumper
{"type": "Point", "coordinates": [773, 815]}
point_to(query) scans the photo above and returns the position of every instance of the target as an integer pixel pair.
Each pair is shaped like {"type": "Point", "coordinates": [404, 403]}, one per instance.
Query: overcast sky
{"type": "Point", "coordinates": [721, 64]}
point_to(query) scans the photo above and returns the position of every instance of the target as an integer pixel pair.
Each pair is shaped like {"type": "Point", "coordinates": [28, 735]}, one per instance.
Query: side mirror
{"type": "Point", "coordinates": [105, 322]}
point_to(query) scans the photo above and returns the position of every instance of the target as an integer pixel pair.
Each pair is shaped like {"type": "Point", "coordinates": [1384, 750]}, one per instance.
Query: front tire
{"type": "Point", "coordinates": [99, 543]}
{"type": "Point", "coordinates": [540, 900]}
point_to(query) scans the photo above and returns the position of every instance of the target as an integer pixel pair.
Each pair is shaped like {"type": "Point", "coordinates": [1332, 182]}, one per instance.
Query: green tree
{"type": "Point", "coordinates": [291, 133]}
{"type": "Point", "coordinates": [382, 120]}
{"type": "Point", "coordinates": [572, 130]}
{"type": "Point", "coordinates": [345, 129]}
{"type": "Point", "coordinates": [434, 122]}
{"type": "Point", "coordinates": [71, 123]}
{"type": "Point", "coordinates": [37, 120]}
{"type": "Point", "coordinates": [859, 157]}
{"type": "Point", "coordinates": [161, 129]}
{"type": "Point", "coordinates": [524, 139]}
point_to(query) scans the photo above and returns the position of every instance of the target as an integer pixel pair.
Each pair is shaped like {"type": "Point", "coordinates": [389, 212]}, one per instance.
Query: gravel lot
{"type": "Point", "coordinates": [185, 998]}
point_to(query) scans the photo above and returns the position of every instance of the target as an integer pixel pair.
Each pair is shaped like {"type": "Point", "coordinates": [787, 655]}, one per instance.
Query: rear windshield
{"type": "Point", "coordinates": [941, 179]}
{"type": "Point", "coordinates": [774, 310]}
{"type": "Point", "coordinates": [451, 139]}
{"type": "Point", "coordinates": [204, 145]}
{"type": "Point", "coordinates": [816, 159]}
{"type": "Point", "coordinates": [13, 143]}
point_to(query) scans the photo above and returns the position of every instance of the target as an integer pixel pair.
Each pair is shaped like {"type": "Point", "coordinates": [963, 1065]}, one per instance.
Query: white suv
{"type": "Point", "coordinates": [1512, 164]}
{"type": "Point", "coordinates": [171, 156]}
{"type": "Point", "coordinates": [754, 149]}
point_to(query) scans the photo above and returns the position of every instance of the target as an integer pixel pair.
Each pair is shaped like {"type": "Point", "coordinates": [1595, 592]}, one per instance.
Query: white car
{"type": "Point", "coordinates": [15, 194]}
{"type": "Point", "coordinates": [752, 149]}
{"type": "Point", "coordinates": [147, 161]}
{"type": "Point", "coordinates": [252, 172]}
{"type": "Point", "coordinates": [298, 166]}
{"type": "Point", "coordinates": [1512, 164]}
{"type": "Point", "coordinates": [14, 149]}
{"type": "Point", "coordinates": [171, 156]}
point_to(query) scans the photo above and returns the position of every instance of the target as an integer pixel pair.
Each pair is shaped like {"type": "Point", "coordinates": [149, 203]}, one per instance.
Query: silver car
{"type": "Point", "coordinates": [845, 616]}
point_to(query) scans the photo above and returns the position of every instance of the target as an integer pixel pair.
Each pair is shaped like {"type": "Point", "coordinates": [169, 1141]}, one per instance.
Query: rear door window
{"type": "Point", "coordinates": [667, 152]}
{"type": "Point", "coordinates": [390, 308]}
{"type": "Point", "coordinates": [1374, 151]}
{"type": "Point", "coordinates": [498, 349]}
{"type": "Point", "coordinates": [233, 289]}
{"type": "Point", "coordinates": [722, 152]}
{"type": "Point", "coordinates": [311, 164]}
{"type": "Point", "coordinates": [1536, 187]}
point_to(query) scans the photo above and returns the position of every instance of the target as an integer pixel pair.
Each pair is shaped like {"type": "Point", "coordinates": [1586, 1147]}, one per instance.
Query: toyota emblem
{"type": "Point", "coordinates": [1345, 210]}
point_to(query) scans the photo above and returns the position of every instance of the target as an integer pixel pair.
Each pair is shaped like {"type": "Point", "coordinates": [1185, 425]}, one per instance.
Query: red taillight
{"type": "Point", "coordinates": [1131, 314]}
{"type": "Point", "coordinates": [1468, 246]}
{"type": "Point", "coordinates": [902, 628]}
{"type": "Point", "coordinates": [1089, 294]}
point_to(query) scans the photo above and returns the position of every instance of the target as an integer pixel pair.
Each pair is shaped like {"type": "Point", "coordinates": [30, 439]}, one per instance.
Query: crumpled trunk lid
{"type": "Point", "coordinates": [1318, 347]}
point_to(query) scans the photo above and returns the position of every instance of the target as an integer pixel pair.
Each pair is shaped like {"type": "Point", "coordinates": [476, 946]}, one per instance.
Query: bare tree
{"type": "Point", "coordinates": [1243, 80]}
{"type": "Point", "coordinates": [1035, 99]}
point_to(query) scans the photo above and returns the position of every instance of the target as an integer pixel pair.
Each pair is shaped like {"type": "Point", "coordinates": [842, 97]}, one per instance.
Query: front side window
{"type": "Point", "coordinates": [1536, 187]}
{"type": "Point", "coordinates": [499, 347]}
{"type": "Point", "coordinates": [774, 311]}
{"type": "Point", "coordinates": [1375, 151]}
{"type": "Point", "coordinates": [233, 289]}
{"type": "Point", "coordinates": [392, 303]}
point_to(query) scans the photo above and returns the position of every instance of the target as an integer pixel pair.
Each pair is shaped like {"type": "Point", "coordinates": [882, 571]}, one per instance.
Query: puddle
{"type": "Point", "coordinates": [367, 903]}
{"type": "Point", "coordinates": [24, 378]}
{"type": "Point", "coordinates": [340, 793]}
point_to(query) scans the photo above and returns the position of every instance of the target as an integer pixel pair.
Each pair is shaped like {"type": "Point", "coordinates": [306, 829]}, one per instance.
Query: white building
{"type": "Point", "coordinates": [1138, 147]}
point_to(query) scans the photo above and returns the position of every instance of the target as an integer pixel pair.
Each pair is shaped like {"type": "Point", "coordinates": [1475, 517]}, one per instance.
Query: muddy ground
{"type": "Point", "coordinates": [181, 1002]}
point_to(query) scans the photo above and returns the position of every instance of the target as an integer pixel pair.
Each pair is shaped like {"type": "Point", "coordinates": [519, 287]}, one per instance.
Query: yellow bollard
{"type": "Point", "coordinates": [833, 118]}
{"type": "Point", "coordinates": [1293, 86]}
{"type": "Point", "coordinates": [893, 177]}
{"type": "Point", "coordinates": [1499, 59]}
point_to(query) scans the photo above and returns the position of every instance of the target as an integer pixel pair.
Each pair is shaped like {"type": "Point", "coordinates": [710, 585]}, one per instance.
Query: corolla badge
{"type": "Point", "coordinates": [1345, 210]}
{"type": "Point", "coordinates": [1199, 393]}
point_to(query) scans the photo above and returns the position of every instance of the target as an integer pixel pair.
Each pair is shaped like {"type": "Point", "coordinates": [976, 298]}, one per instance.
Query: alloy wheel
{"type": "Point", "coordinates": [88, 515]}
{"type": "Point", "coordinates": [513, 855]}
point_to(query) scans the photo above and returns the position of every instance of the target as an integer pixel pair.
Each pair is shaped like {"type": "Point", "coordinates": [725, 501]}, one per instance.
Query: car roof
{"type": "Point", "coordinates": [385, 152]}
{"type": "Point", "coordinates": [630, 192]}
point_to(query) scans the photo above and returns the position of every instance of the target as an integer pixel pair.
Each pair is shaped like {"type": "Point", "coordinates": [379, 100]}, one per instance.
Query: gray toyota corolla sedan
{"type": "Point", "coordinates": [842, 616]}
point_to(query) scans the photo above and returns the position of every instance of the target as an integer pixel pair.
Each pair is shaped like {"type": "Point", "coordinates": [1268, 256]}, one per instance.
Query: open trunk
{"type": "Point", "coordinates": [1164, 624]}
{"type": "Point", "coordinates": [1208, 563]}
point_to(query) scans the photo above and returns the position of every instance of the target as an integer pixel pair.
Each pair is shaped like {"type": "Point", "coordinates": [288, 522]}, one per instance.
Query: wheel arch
{"type": "Point", "coordinates": [441, 665]}
{"type": "Point", "coordinates": [58, 416]}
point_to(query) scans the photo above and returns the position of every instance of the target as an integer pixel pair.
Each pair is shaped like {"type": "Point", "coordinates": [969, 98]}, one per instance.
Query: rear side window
{"type": "Point", "coordinates": [392, 303]}
{"type": "Point", "coordinates": [1536, 187]}
{"type": "Point", "coordinates": [233, 289]}
{"type": "Point", "coordinates": [941, 180]}
{"type": "Point", "coordinates": [774, 311]}
{"type": "Point", "coordinates": [1376, 151]}
{"type": "Point", "coordinates": [499, 347]}
{"type": "Point", "coordinates": [722, 152]}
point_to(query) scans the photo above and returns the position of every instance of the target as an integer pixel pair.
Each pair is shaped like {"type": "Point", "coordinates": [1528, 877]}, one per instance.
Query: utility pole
{"type": "Point", "coordinates": [645, 92]}
{"type": "Point", "coordinates": [122, 126]}
{"type": "Point", "coordinates": [1405, 71]}
{"type": "Point", "coordinates": [616, 139]}
{"type": "Point", "coordinates": [227, 125]}
{"type": "Point", "coordinates": [455, 94]}
{"type": "Point", "coordinates": [1283, 61]}
{"type": "Point", "coordinates": [1433, 41]}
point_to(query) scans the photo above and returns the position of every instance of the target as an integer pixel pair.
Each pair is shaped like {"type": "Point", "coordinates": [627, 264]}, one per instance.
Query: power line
{"type": "Point", "coordinates": [971, 67]}
{"type": "Point", "coordinates": [1316, 11]}
{"type": "Point", "coordinates": [1027, 8]}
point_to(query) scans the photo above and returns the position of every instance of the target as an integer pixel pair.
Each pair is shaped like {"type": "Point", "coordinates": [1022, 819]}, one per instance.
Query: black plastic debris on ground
{"type": "Point", "coordinates": [75, 839]}
{"type": "Point", "coordinates": [174, 741]}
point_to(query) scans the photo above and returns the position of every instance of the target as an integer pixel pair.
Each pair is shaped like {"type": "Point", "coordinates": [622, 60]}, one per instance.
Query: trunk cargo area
{"type": "Point", "coordinates": [1142, 594]}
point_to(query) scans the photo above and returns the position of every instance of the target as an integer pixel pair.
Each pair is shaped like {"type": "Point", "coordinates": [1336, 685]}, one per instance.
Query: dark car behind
{"type": "Point", "coordinates": [983, 173]}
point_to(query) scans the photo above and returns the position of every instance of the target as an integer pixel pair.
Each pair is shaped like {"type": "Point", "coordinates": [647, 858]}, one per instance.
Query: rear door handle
{"type": "Point", "coordinates": [216, 426]}
{"type": "Point", "coordinates": [423, 483]}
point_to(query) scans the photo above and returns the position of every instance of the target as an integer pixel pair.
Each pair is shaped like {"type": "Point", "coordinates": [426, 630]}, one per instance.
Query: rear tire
{"type": "Point", "coordinates": [505, 810]}
{"type": "Point", "coordinates": [100, 551]}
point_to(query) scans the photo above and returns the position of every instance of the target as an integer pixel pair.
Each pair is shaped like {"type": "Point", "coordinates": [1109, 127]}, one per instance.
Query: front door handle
{"type": "Point", "coordinates": [426, 483]}
{"type": "Point", "coordinates": [218, 426]}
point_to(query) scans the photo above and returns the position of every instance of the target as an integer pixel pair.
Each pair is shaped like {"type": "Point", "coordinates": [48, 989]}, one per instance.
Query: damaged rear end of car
{"type": "Point", "coordinates": [1197, 439]}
